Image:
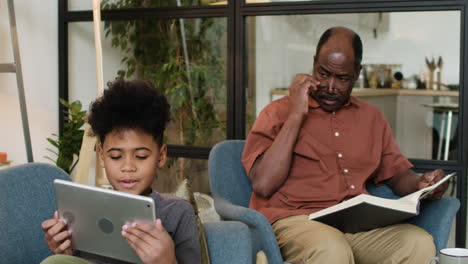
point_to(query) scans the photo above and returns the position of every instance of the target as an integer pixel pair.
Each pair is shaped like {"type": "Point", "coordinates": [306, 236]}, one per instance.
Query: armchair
{"type": "Point", "coordinates": [231, 190]}
{"type": "Point", "coordinates": [27, 198]}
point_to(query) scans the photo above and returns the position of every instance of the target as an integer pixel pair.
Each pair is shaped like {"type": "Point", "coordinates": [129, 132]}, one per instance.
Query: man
{"type": "Point", "coordinates": [317, 147]}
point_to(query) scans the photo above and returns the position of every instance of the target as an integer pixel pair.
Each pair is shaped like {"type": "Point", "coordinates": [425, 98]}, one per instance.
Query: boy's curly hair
{"type": "Point", "coordinates": [134, 104]}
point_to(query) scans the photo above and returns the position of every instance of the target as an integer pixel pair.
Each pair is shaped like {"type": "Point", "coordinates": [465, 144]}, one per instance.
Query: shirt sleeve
{"type": "Point", "coordinates": [392, 160]}
{"type": "Point", "coordinates": [185, 237]}
{"type": "Point", "coordinates": [261, 136]}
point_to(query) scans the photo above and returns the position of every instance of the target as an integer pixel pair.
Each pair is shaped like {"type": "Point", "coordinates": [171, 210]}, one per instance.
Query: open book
{"type": "Point", "coordinates": [365, 212]}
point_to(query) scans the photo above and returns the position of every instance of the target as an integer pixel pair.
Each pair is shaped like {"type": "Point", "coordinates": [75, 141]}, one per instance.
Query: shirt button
{"type": "Point", "coordinates": [337, 134]}
{"type": "Point", "coordinates": [340, 155]}
{"type": "Point", "coordinates": [345, 170]}
{"type": "Point", "coordinates": [352, 187]}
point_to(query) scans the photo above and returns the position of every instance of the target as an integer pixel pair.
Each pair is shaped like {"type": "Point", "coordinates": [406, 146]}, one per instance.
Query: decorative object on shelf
{"type": "Point", "coordinates": [431, 66]}
{"type": "Point", "coordinates": [396, 84]}
{"type": "Point", "coordinates": [453, 87]}
{"type": "Point", "coordinates": [68, 143]}
{"type": "Point", "coordinates": [440, 64]}
{"type": "Point", "coordinates": [411, 82]}
{"type": "Point", "coordinates": [3, 157]}
{"type": "Point", "coordinates": [379, 75]}
{"type": "Point", "coordinates": [4, 162]}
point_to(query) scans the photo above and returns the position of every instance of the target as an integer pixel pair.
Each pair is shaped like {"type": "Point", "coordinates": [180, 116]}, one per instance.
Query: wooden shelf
{"type": "Point", "coordinates": [363, 92]}
{"type": "Point", "coordinates": [368, 92]}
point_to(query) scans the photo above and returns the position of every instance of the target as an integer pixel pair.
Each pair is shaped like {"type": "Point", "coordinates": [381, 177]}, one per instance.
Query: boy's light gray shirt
{"type": "Point", "coordinates": [178, 218]}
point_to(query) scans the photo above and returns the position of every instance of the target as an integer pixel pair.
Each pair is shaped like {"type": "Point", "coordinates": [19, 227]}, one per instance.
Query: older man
{"type": "Point", "coordinates": [317, 147]}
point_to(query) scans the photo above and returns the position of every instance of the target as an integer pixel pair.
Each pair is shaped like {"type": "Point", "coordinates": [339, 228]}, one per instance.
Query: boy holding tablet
{"type": "Point", "coordinates": [130, 119]}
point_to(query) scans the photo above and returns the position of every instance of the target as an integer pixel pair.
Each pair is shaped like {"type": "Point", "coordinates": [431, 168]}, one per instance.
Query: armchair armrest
{"type": "Point", "coordinates": [228, 242]}
{"type": "Point", "coordinates": [436, 217]}
{"type": "Point", "coordinates": [263, 237]}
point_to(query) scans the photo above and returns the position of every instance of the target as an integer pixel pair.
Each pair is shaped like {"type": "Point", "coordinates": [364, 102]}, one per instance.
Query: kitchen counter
{"type": "Point", "coordinates": [363, 92]}
{"type": "Point", "coordinates": [371, 92]}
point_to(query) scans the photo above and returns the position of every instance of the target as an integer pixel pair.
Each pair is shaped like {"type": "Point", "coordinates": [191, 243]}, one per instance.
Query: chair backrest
{"type": "Point", "coordinates": [27, 198]}
{"type": "Point", "coordinates": [230, 182]}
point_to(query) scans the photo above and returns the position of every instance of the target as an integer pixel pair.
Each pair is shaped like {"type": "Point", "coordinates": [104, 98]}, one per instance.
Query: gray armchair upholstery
{"type": "Point", "coordinates": [232, 190]}
{"type": "Point", "coordinates": [27, 198]}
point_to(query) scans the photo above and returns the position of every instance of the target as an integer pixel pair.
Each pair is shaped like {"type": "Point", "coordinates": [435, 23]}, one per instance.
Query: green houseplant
{"type": "Point", "coordinates": [68, 143]}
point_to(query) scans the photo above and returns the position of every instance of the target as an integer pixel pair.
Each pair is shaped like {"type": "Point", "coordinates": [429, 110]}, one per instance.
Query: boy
{"type": "Point", "coordinates": [130, 120]}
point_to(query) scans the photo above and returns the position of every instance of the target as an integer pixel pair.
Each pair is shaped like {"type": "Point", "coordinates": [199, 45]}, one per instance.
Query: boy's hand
{"type": "Point", "coordinates": [57, 237]}
{"type": "Point", "coordinates": [151, 242]}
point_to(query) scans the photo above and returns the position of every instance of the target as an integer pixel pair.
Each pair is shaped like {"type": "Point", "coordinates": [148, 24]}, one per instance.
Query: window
{"type": "Point", "coordinates": [256, 46]}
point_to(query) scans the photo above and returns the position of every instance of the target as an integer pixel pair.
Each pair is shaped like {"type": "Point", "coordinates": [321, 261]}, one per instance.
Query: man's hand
{"type": "Point", "coordinates": [57, 237]}
{"type": "Point", "coordinates": [151, 242]}
{"type": "Point", "coordinates": [430, 178]}
{"type": "Point", "coordinates": [299, 91]}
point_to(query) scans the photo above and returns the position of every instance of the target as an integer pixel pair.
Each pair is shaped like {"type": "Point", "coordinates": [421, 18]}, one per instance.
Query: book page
{"type": "Point", "coordinates": [418, 195]}
{"type": "Point", "coordinates": [393, 204]}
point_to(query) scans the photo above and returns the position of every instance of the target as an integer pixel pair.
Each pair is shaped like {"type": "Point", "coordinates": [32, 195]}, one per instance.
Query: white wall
{"type": "Point", "coordinates": [37, 24]}
{"type": "Point", "coordinates": [285, 45]}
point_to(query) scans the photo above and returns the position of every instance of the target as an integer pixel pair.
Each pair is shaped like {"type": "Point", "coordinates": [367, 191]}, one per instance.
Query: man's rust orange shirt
{"type": "Point", "coordinates": [335, 154]}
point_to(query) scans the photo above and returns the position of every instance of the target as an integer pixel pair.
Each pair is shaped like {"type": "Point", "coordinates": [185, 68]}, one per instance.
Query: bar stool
{"type": "Point", "coordinates": [447, 110]}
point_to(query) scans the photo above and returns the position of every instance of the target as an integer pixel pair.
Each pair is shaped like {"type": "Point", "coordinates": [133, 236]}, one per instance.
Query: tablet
{"type": "Point", "coordinates": [95, 217]}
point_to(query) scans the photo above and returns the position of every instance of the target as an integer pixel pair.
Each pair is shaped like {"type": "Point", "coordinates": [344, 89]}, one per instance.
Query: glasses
{"type": "Point", "coordinates": [335, 87]}
{"type": "Point", "coordinates": [340, 83]}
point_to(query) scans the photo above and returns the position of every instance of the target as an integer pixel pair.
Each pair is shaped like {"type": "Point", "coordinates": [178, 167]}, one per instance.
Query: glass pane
{"type": "Point", "coordinates": [78, 5]}
{"type": "Point", "coordinates": [186, 58]}
{"type": "Point", "coordinates": [411, 70]}
{"type": "Point", "coordinates": [178, 169]}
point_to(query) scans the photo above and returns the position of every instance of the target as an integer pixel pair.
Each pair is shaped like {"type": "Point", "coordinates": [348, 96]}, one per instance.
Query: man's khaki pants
{"type": "Point", "coordinates": [304, 241]}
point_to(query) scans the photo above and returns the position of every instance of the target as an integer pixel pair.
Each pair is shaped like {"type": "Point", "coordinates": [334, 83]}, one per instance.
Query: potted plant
{"type": "Point", "coordinates": [68, 143]}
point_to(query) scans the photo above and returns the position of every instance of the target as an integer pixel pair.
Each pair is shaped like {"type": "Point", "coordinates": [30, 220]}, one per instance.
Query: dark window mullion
{"type": "Point", "coordinates": [461, 221]}
{"type": "Point", "coordinates": [346, 7]}
{"type": "Point", "coordinates": [347, 4]}
{"type": "Point", "coordinates": [140, 13]}
{"type": "Point", "coordinates": [62, 60]}
{"type": "Point", "coordinates": [240, 70]}
{"type": "Point", "coordinates": [188, 151]}
{"type": "Point", "coordinates": [432, 164]}
{"type": "Point", "coordinates": [231, 72]}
